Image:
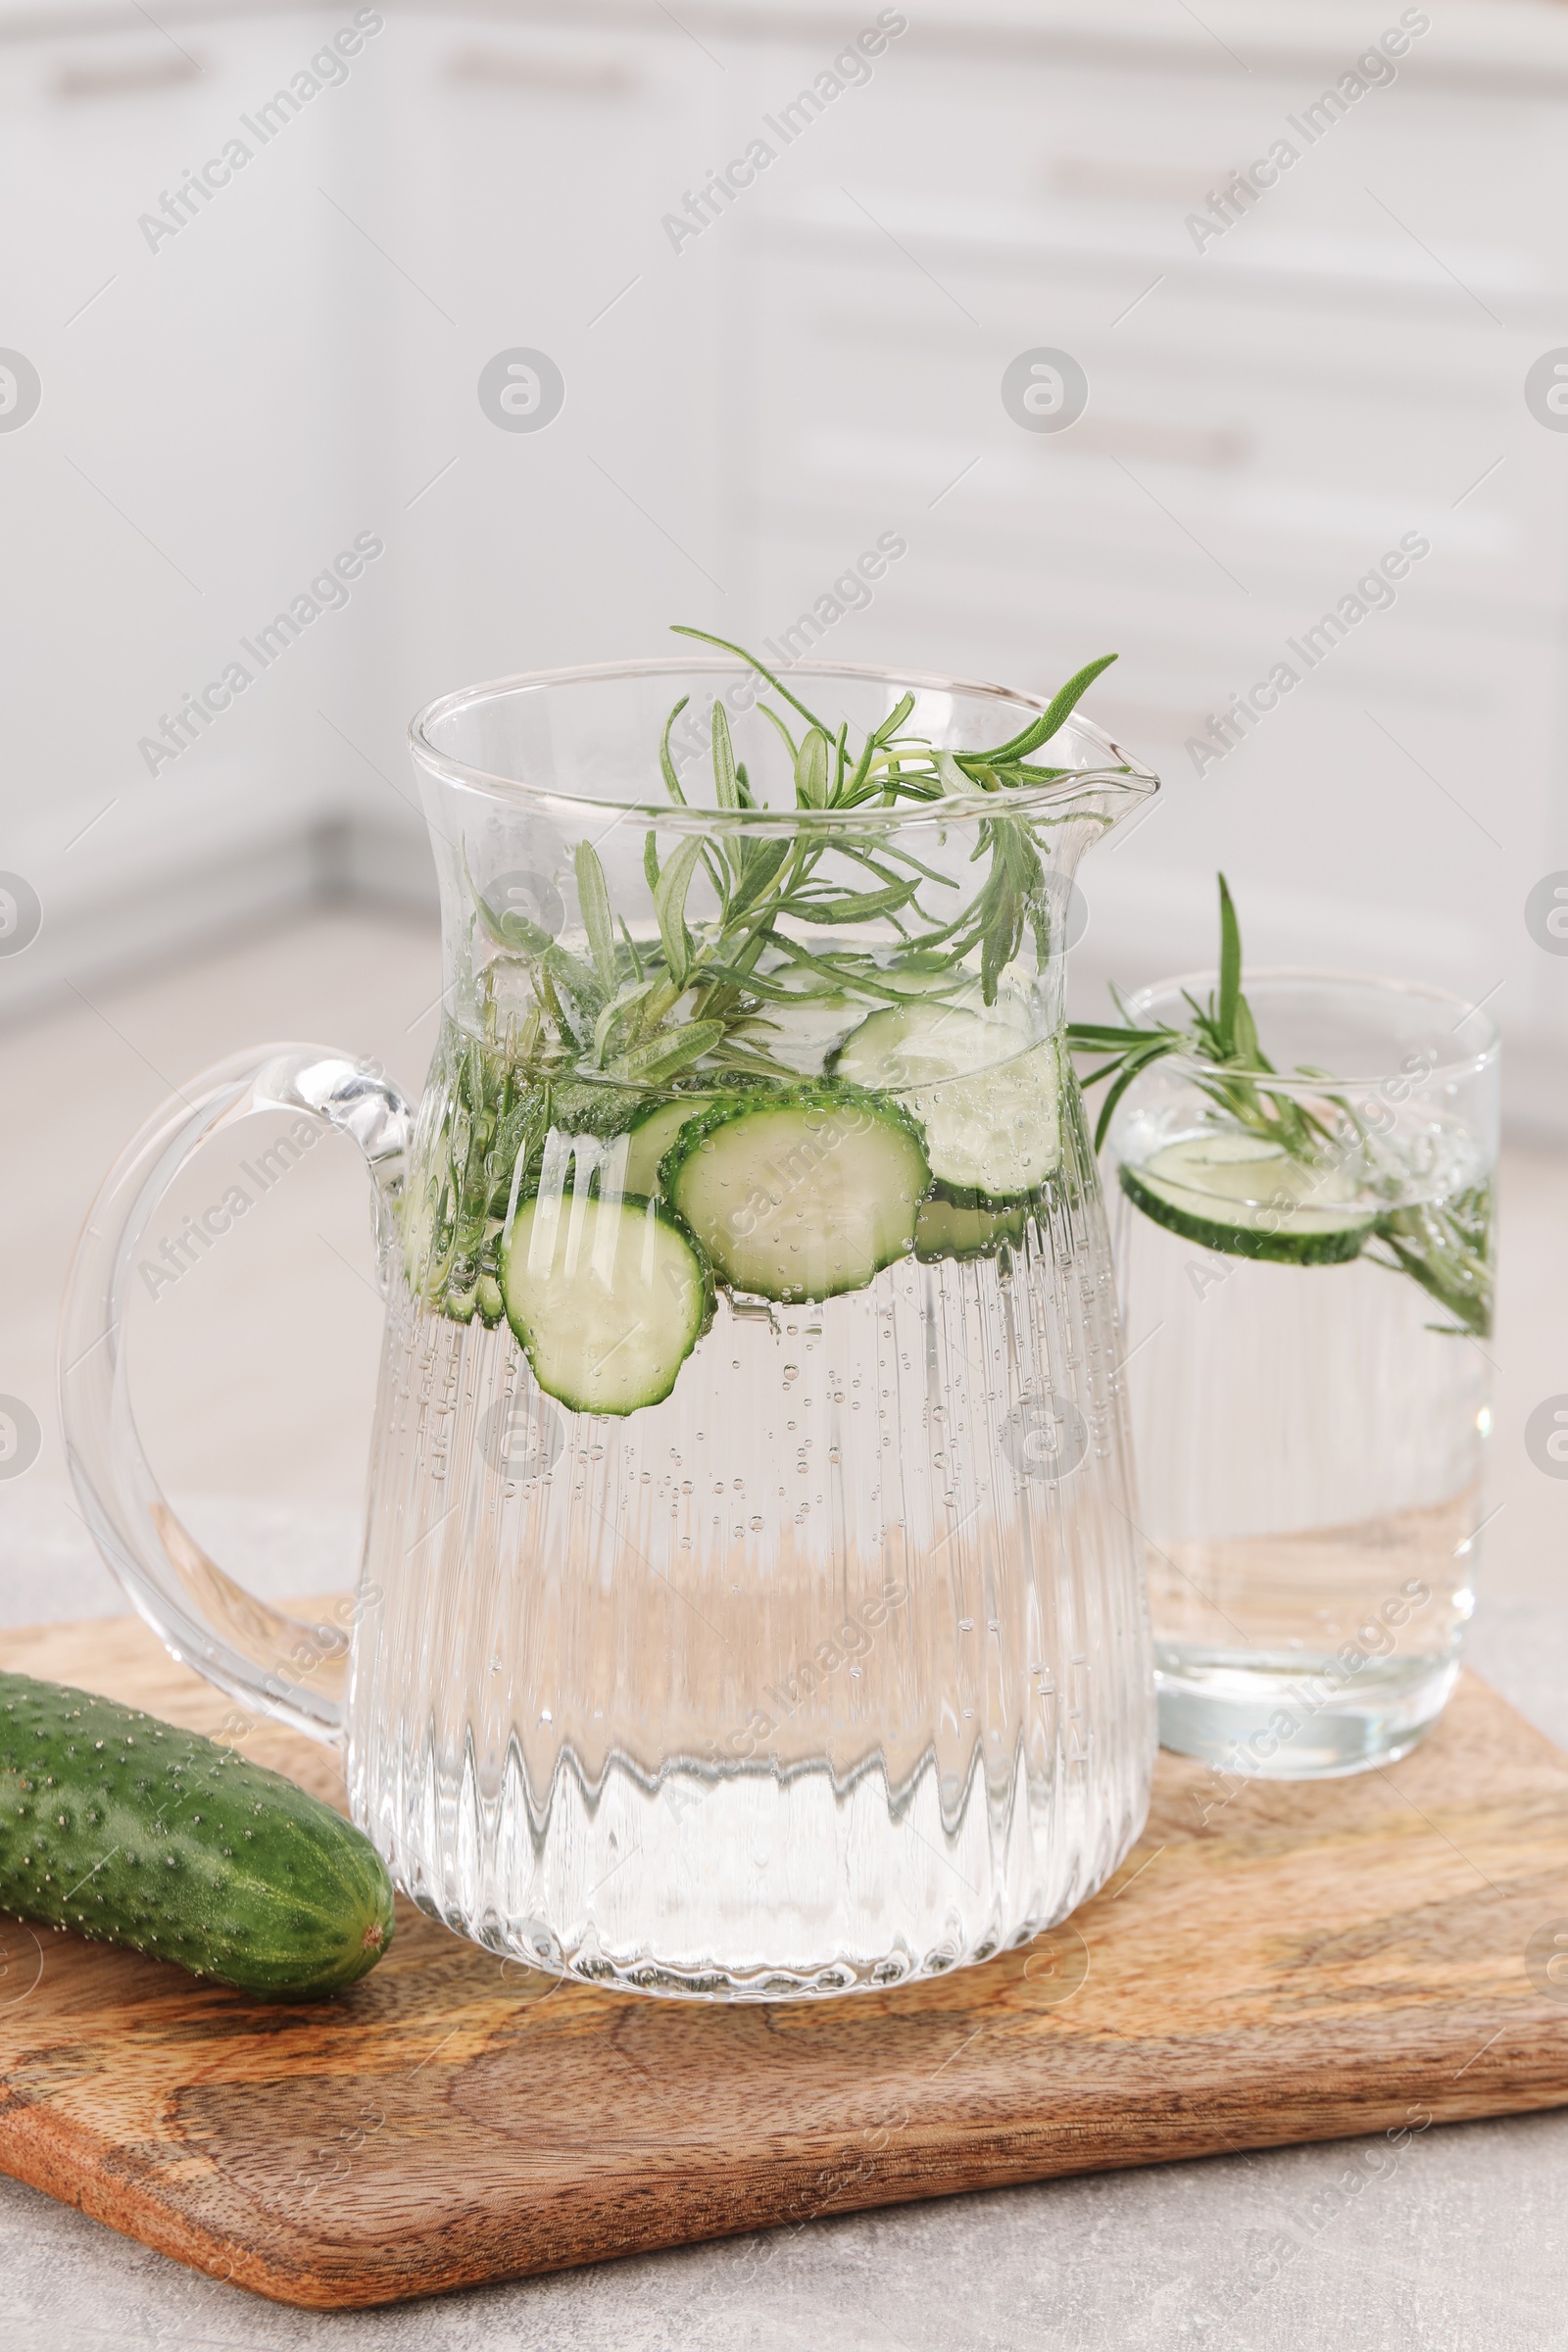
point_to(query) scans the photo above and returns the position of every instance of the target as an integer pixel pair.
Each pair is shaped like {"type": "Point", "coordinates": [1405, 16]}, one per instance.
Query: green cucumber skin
{"type": "Point", "coordinates": [689, 1107]}
{"type": "Point", "coordinates": [1231, 1240]}
{"type": "Point", "coordinates": [823, 1094]}
{"type": "Point", "coordinates": [812, 1094]}
{"type": "Point", "coordinates": [133, 1831]}
{"type": "Point", "coordinates": [999, 1205]}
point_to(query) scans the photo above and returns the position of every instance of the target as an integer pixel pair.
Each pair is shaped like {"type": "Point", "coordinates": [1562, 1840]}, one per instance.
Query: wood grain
{"type": "Point", "coordinates": [1274, 1963]}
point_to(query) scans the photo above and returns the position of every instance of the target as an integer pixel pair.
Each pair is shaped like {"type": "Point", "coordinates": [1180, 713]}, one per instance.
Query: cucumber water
{"type": "Point", "coordinates": [641, 1538]}
{"type": "Point", "coordinates": [762, 1603]}
{"type": "Point", "coordinates": [123, 1828]}
{"type": "Point", "coordinates": [597, 1222]}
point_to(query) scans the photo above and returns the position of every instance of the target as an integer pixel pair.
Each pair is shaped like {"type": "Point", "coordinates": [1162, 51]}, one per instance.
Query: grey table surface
{"type": "Point", "coordinates": [1459, 2240]}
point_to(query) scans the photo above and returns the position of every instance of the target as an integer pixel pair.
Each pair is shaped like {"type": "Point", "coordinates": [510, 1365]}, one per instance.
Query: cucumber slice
{"type": "Point", "coordinates": [607, 1298]}
{"type": "Point", "coordinates": [653, 1131]}
{"type": "Point", "coordinates": [989, 1101]}
{"type": "Point", "coordinates": [948, 1229]}
{"type": "Point", "coordinates": [655, 1127]}
{"type": "Point", "coordinates": [1242, 1196]}
{"type": "Point", "coordinates": [800, 1194]}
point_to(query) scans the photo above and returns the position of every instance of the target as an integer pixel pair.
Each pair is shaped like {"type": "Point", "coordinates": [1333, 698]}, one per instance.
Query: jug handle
{"type": "Point", "coordinates": [260, 1657]}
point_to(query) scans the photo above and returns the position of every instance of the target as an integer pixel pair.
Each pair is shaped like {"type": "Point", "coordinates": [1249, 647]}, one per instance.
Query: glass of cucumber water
{"type": "Point", "coordinates": [751, 1603]}
{"type": "Point", "coordinates": [1305, 1250]}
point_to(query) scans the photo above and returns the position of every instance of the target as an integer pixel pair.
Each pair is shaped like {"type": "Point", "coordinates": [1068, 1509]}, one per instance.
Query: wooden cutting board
{"type": "Point", "coordinates": [1305, 1962]}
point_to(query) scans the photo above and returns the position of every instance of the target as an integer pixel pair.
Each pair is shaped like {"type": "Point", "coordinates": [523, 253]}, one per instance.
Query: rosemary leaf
{"type": "Point", "coordinates": [669, 904]}
{"type": "Point", "coordinates": [593, 897]}
{"type": "Point", "coordinates": [760, 871]}
{"type": "Point", "coordinates": [854, 907]}
{"type": "Point", "coordinates": [724, 785]}
{"type": "Point", "coordinates": [1061, 708]}
{"type": "Point", "coordinates": [1089, 1036]}
{"type": "Point", "coordinates": [666, 763]}
{"type": "Point", "coordinates": [841, 755]}
{"type": "Point", "coordinates": [780, 728]}
{"type": "Point", "coordinates": [509, 929]}
{"type": "Point", "coordinates": [1230, 974]}
{"type": "Point", "coordinates": [659, 1058]}
{"type": "Point", "coordinates": [864, 982]}
{"type": "Point", "coordinates": [811, 771]}
{"type": "Point", "coordinates": [1130, 1068]}
{"type": "Point", "coordinates": [678, 629]}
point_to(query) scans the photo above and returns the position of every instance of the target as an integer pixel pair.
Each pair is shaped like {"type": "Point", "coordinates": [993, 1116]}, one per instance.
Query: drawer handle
{"type": "Point", "coordinates": [565, 77]}
{"type": "Point", "coordinates": [1215, 444]}
{"type": "Point", "coordinates": [1119, 181]}
{"type": "Point", "coordinates": [129, 80]}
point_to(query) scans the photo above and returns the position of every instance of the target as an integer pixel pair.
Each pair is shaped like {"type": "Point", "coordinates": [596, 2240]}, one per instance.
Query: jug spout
{"type": "Point", "coordinates": [1092, 802]}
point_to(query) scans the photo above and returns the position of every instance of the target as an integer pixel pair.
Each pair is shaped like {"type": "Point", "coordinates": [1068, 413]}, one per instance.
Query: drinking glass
{"type": "Point", "coordinates": [750, 1603]}
{"type": "Point", "coordinates": [1306, 1262]}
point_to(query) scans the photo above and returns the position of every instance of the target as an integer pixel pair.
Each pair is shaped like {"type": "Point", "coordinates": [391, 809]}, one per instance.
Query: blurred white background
{"type": "Point", "coordinates": [1360, 358]}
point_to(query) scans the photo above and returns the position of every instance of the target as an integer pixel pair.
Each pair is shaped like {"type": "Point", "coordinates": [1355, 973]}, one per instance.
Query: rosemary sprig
{"type": "Point", "coordinates": [699, 1002]}
{"type": "Point", "coordinates": [1444, 1245]}
{"type": "Point", "coordinates": [648, 1013]}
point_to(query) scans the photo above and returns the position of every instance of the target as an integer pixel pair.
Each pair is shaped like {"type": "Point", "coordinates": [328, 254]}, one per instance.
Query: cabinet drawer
{"type": "Point", "coordinates": [1209, 450]}
{"type": "Point", "coordinates": [1408, 769]}
{"type": "Point", "coordinates": [1110, 159]}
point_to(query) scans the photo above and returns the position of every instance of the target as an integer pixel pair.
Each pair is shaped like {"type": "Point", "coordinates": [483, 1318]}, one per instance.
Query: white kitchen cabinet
{"type": "Point", "coordinates": [523, 177]}
{"type": "Point", "coordinates": [821, 366]}
{"type": "Point", "coordinates": [1266, 420]}
{"type": "Point", "coordinates": [195, 461]}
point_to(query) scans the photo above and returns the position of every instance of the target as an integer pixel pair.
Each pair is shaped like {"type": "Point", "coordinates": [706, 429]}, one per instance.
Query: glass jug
{"type": "Point", "coordinates": [750, 1604]}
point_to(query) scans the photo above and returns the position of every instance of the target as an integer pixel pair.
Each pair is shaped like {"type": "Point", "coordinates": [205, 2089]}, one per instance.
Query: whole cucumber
{"type": "Point", "coordinates": [124, 1828]}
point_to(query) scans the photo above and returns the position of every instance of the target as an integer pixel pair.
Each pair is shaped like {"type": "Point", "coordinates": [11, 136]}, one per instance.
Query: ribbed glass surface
{"type": "Point", "coordinates": [830, 1670]}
